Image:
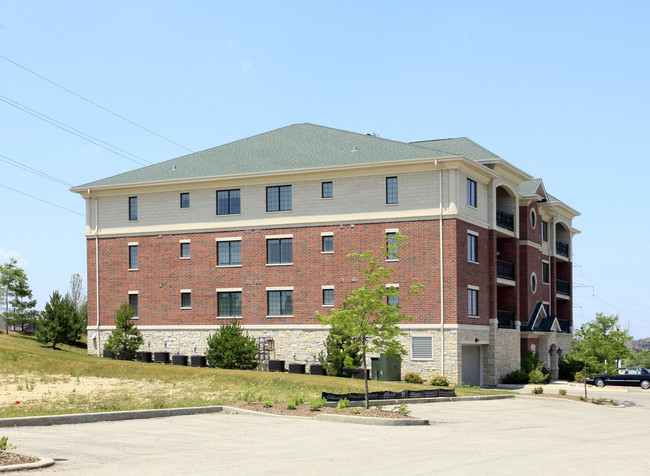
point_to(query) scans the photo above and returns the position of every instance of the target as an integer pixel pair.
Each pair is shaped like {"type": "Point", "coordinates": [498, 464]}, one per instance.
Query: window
{"type": "Point", "coordinates": [533, 218]}
{"type": "Point", "coordinates": [547, 308]}
{"type": "Point", "coordinates": [422, 347]}
{"type": "Point", "coordinates": [545, 231]}
{"type": "Point", "coordinates": [393, 300]}
{"type": "Point", "coordinates": [391, 190]}
{"type": "Point", "coordinates": [229, 304]}
{"type": "Point", "coordinates": [186, 299]}
{"type": "Point", "coordinates": [328, 243]}
{"type": "Point", "coordinates": [133, 301]}
{"type": "Point", "coordinates": [327, 190]}
{"type": "Point", "coordinates": [133, 208]}
{"type": "Point", "coordinates": [228, 253]}
{"type": "Point", "coordinates": [185, 200]}
{"type": "Point", "coordinates": [328, 297]}
{"type": "Point", "coordinates": [545, 272]}
{"type": "Point", "coordinates": [185, 249]}
{"type": "Point", "coordinates": [133, 256]}
{"type": "Point", "coordinates": [228, 202]}
{"type": "Point", "coordinates": [472, 248]}
{"type": "Point", "coordinates": [278, 198]}
{"type": "Point", "coordinates": [279, 250]}
{"type": "Point", "coordinates": [471, 193]}
{"type": "Point", "coordinates": [533, 283]}
{"type": "Point", "coordinates": [472, 302]}
{"type": "Point", "coordinates": [393, 253]}
{"type": "Point", "coordinates": [280, 303]}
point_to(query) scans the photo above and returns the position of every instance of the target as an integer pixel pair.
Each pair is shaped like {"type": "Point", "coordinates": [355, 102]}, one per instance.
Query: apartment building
{"type": "Point", "coordinates": [258, 230]}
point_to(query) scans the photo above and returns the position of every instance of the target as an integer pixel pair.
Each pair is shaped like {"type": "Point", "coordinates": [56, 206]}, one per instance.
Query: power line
{"type": "Point", "coordinates": [85, 47]}
{"type": "Point", "coordinates": [94, 103]}
{"type": "Point", "coordinates": [20, 165]}
{"type": "Point", "coordinates": [75, 132]}
{"type": "Point", "coordinates": [125, 86]}
{"type": "Point", "coordinates": [41, 200]}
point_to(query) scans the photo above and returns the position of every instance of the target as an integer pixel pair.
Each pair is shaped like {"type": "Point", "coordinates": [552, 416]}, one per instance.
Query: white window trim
{"type": "Point", "coordinates": [279, 288]}
{"type": "Point", "coordinates": [474, 233]}
{"type": "Point", "coordinates": [392, 230]}
{"type": "Point", "coordinates": [182, 242]}
{"type": "Point", "coordinates": [327, 286]}
{"type": "Point", "coordinates": [133, 243]}
{"type": "Point", "coordinates": [533, 217]}
{"type": "Point", "coordinates": [276, 264]}
{"type": "Point", "coordinates": [327, 233]}
{"type": "Point", "coordinates": [549, 272]}
{"type": "Point", "coordinates": [186, 291]}
{"type": "Point", "coordinates": [476, 288]}
{"type": "Point", "coordinates": [533, 275]}
{"type": "Point", "coordinates": [233, 238]}
{"type": "Point", "coordinates": [136, 293]}
{"type": "Point", "coordinates": [276, 237]}
{"type": "Point", "coordinates": [229, 290]}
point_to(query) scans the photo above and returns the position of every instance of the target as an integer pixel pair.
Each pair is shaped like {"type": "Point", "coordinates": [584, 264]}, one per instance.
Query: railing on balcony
{"type": "Point", "coordinates": [564, 325]}
{"type": "Point", "coordinates": [562, 248]}
{"type": "Point", "coordinates": [505, 269]}
{"type": "Point", "coordinates": [563, 287]}
{"type": "Point", "coordinates": [505, 219]}
{"type": "Point", "coordinates": [506, 319]}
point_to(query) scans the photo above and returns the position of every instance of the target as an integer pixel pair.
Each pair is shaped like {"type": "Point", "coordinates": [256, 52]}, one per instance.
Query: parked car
{"type": "Point", "coordinates": [633, 376]}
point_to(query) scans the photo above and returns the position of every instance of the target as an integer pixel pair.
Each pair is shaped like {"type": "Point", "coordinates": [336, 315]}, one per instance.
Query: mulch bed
{"type": "Point", "coordinates": [303, 410]}
{"type": "Point", "coordinates": [575, 398]}
{"type": "Point", "coordinates": [7, 459]}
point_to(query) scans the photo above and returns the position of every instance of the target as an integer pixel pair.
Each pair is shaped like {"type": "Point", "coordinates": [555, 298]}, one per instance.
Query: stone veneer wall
{"type": "Point", "coordinates": [304, 344]}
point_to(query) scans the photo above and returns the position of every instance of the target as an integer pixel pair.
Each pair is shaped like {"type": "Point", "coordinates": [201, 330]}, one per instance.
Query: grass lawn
{"type": "Point", "coordinates": [48, 382]}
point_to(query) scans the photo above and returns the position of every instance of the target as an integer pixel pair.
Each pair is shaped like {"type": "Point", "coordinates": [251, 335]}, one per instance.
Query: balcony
{"type": "Point", "coordinates": [562, 248]}
{"type": "Point", "coordinates": [564, 325]}
{"type": "Point", "coordinates": [563, 288]}
{"type": "Point", "coordinates": [506, 319]}
{"type": "Point", "coordinates": [505, 270]}
{"type": "Point", "coordinates": [505, 220]}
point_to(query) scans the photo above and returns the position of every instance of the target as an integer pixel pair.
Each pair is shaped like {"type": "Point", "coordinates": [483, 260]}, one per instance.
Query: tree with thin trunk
{"type": "Point", "coordinates": [126, 338]}
{"type": "Point", "coordinates": [18, 295]}
{"type": "Point", "coordinates": [370, 314]}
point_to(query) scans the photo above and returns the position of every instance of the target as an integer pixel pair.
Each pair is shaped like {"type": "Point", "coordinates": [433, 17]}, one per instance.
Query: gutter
{"type": "Point", "coordinates": [442, 278]}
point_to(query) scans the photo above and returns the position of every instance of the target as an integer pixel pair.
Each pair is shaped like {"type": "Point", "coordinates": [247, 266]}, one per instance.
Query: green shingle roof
{"type": "Point", "coordinates": [299, 146]}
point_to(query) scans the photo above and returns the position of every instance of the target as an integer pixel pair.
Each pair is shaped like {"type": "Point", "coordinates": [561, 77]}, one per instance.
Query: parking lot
{"type": "Point", "coordinates": [514, 436]}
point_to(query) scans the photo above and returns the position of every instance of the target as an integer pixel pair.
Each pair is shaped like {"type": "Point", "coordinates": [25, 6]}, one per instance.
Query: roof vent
{"type": "Point", "coordinates": [374, 134]}
{"type": "Point", "coordinates": [354, 148]}
{"type": "Point", "coordinates": [174, 167]}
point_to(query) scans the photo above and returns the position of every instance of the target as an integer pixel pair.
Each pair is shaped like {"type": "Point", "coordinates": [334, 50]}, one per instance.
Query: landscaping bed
{"type": "Point", "coordinates": [303, 410]}
{"type": "Point", "coordinates": [7, 459]}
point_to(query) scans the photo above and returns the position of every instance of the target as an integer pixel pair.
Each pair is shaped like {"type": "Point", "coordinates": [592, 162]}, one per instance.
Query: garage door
{"type": "Point", "coordinates": [471, 365]}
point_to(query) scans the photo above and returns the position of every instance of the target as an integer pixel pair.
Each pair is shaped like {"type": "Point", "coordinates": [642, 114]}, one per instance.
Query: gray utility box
{"type": "Point", "coordinates": [386, 368]}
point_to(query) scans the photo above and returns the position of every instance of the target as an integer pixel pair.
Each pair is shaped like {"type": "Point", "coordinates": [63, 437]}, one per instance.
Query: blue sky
{"type": "Point", "coordinates": [559, 89]}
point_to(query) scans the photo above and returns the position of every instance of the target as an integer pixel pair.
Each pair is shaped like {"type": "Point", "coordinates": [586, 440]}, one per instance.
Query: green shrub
{"type": "Point", "coordinates": [439, 381]}
{"type": "Point", "coordinates": [599, 400]}
{"type": "Point", "coordinates": [412, 377]}
{"type": "Point", "coordinates": [579, 376]}
{"type": "Point", "coordinates": [341, 354]}
{"type": "Point", "coordinates": [343, 404]}
{"type": "Point", "coordinates": [268, 404]}
{"type": "Point", "coordinates": [5, 445]}
{"type": "Point", "coordinates": [317, 404]}
{"type": "Point", "coordinates": [231, 348]}
{"type": "Point", "coordinates": [536, 376]}
{"type": "Point", "coordinates": [582, 398]}
{"type": "Point", "coordinates": [562, 391]}
{"type": "Point", "coordinates": [403, 409]}
{"type": "Point", "coordinates": [291, 405]}
{"type": "Point", "coordinates": [295, 401]}
{"type": "Point", "coordinates": [538, 390]}
{"type": "Point", "coordinates": [515, 377]}
{"type": "Point", "coordinates": [568, 368]}
{"type": "Point", "coordinates": [356, 411]}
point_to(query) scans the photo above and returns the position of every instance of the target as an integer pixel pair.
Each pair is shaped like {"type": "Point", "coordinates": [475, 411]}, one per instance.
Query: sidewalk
{"type": "Point", "coordinates": [557, 385]}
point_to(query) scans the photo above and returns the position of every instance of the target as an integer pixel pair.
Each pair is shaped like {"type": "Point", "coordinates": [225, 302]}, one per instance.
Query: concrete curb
{"type": "Point", "coordinates": [73, 419]}
{"type": "Point", "coordinates": [372, 420]}
{"type": "Point", "coordinates": [40, 464]}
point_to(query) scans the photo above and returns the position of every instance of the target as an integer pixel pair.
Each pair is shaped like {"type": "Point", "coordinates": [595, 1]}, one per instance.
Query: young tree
{"type": "Point", "coordinates": [341, 354]}
{"type": "Point", "coordinates": [56, 323]}
{"type": "Point", "coordinates": [600, 343]}
{"type": "Point", "coordinates": [231, 348]}
{"type": "Point", "coordinates": [125, 339]}
{"type": "Point", "coordinates": [18, 295]}
{"type": "Point", "coordinates": [366, 318]}
{"type": "Point", "coordinates": [78, 296]}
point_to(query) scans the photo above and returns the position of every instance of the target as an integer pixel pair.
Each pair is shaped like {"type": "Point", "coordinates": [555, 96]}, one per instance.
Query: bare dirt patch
{"type": "Point", "coordinates": [303, 410]}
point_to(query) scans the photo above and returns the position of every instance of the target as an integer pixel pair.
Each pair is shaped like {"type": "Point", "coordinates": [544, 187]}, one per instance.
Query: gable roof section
{"type": "Point", "coordinates": [299, 146]}
{"type": "Point", "coordinates": [532, 187]}
{"type": "Point", "coordinates": [539, 321]}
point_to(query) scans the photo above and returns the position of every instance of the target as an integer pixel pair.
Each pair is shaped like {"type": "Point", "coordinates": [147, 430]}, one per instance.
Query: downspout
{"type": "Point", "coordinates": [442, 278]}
{"type": "Point", "coordinates": [97, 272]}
